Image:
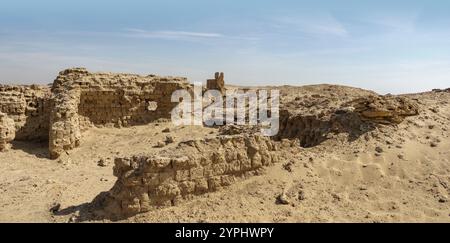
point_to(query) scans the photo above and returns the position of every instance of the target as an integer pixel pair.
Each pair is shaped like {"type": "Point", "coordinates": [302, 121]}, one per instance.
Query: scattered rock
{"type": "Point", "coordinates": [102, 163]}
{"type": "Point", "coordinates": [363, 188]}
{"type": "Point", "coordinates": [25, 178]}
{"type": "Point", "coordinates": [64, 160]}
{"type": "Point", "coordinates": [166, 130]}
{"type": "Point", "coordinates": [54, 208]}
{"type": "Point", "coordinates": [443, 199]}
{"type": "Point", "coordinates": [288, 166]}
{"type": "Point", "coordinates": [72, 219]}
{"type": "Point", "coordinates": [345, 110]}
{"type": "Point", "coordinates": [434, 110]}
{"type": "Point", "coordinates": [378, 149]}
{"type": "Point", "coordinates": [50, 181]}
{"type": "Point", "coordinates": [160, 144]}
{"type": "Point", "coordinates": [169, 139]}
{"type": "Point", "coordinates": [282, 199]}
{"type": "Point", "coordinates": [301, 195]}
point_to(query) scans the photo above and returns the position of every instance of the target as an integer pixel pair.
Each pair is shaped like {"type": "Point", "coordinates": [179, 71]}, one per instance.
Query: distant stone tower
{"type": "Point", "coordinates": [217, 83]}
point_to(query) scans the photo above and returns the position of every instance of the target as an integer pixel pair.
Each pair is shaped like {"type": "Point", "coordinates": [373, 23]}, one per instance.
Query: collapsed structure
{"type": "Point", "coordinates": [82, 99]}
{"type": "Point", "coordinates": [79, 99]}
{"type": "Point", "coordinates": [196, 167]}
{"type": "Point", "coordinates": [28, 107]}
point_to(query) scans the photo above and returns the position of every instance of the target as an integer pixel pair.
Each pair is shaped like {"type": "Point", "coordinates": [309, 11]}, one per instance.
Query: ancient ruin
{"type": "Point", "coordinates": [7, 131]}
{"type": "Point", "coordinates": [82, 99]}
{"type": "Point", "coordinates": [79, 100]}
{"type": "Point", "coordinates": [29, 107]}
{"type": "Point", "coordinates": [217, 83]}
{"type": "Point", "coordinates": [145, 182]}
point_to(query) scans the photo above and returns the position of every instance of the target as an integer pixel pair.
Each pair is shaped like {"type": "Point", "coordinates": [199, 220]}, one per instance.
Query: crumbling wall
{"type": "Point", "coordinates": [196, 167]}
{"type": "Point", "coordinates": [7, 131]}
{"type": "Point", "coordinates": [28, 106]}
{"type": "Point", "coordinates": [82, 99]}
{"type": "Point", "coordinates": [384, 109]}
{"type": "Point", "coordinates": [354, 118]}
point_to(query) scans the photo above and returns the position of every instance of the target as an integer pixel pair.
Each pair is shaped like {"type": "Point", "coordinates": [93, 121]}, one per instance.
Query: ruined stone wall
{"type": "Point", "coordinates": [29, 107]}
{"type": "Point", "coordinates": [7, 131]}
{"type": "Point", "coordinates": [79, 100]}
{"type": "Point", "coordinates": [82, 99]}
{"type": "Point", "coordinates": [197, 167]}
{"type": "Point", "coordinates": [353, 118]}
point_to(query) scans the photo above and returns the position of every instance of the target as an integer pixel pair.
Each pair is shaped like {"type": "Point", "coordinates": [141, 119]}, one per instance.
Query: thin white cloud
{"type": "Point", "coordinates": [168, 34]}
{"type": "Point", "coordinates": [319, 24]}
{"type": "Point", "coordinates": [405, 22]}
{"type": "Point", "coordinates": [184, 35]}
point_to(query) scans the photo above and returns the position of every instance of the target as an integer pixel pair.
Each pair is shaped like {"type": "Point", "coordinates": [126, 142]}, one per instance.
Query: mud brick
{"type": "Point", "coordinates": [131, 206]}
{"type": "Point", "coordinates": [219, 169]}
{"type": "Point", "coordinates": [256, 161]}
{"type": "Point", "coordinates": [187, 187]}
{"type": "Point", "coordinates": [233, 167]}
{"type": "Point", "coordinates": [196, 172]}
{"type": "Point", "coordinates": [246, 165]}
{"type": "Point", "coordinates": [208, 171]}
{"type": "Point", "coordinates": [214, 183]}
{"type": "Point", "coordinates": [182, 175]}
{"type": "Point", "coordinates": [227, 180]}
{"type": "Point", "coordinates": [166, 175]}
{"type": "Point", "coordinates": [168, 190]}
{"type": "Point", "coordinates": [151, 179]}
{"type": "Point", "coordinates": [201, 186]}
{"type": "Point", "coordinates": [181, 163]}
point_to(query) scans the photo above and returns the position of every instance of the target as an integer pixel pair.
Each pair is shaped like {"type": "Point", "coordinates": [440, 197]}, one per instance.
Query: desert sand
{"type": "Point", "coordinates": [396, 172]}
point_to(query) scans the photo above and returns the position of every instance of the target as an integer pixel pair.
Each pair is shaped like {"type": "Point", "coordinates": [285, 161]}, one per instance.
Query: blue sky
{"type": "Point", "coordinates": [387, 46]}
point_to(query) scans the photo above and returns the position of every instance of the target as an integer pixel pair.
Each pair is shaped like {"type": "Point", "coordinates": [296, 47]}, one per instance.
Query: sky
{"type": "Point", "coordinates": [386, 46]}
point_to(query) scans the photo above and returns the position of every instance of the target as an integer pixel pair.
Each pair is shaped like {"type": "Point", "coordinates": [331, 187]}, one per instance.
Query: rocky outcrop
{"type": "Point", "coordinates": [145, 182]}
{"type": "Point", "coordinates": [7, 131]}
{"type": "Point", "coordinates": [384, 109]}
{"type": "Point", "coordinates": [354, 118]}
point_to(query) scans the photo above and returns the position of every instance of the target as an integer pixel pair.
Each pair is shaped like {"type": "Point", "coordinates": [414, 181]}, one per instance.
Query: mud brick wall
{"type": "Point", "coordinates": [354, 118]}
{"type": "Point", "coordinates": [29, 107]}
{"type": "Point", "coordinates": [82, 99]}
{"type": "Point", "coordinates": [118, 107]}
{"type": "Point", "coordinates": [145, 182]}
{"type": "Point", "coordinates": [7, 131]}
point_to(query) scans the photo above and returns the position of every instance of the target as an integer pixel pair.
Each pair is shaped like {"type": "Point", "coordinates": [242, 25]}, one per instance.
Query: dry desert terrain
{"type": "Point", "coordinates": [329, 163]}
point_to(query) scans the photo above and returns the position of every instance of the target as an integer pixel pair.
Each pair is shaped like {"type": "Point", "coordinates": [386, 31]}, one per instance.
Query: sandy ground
{"type": "Point", "coordinates": [408, 180]}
